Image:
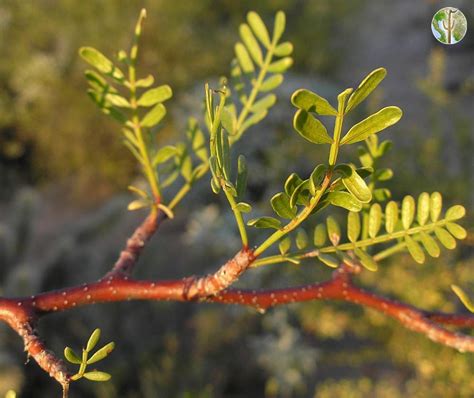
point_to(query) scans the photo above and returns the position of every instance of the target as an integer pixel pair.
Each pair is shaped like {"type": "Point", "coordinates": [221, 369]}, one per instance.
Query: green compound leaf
{"type": "Point", "coordinates": [353, 226]}
{"type": "Point", "coordinates": [445, 238]}
{"type": "Point", "coordinates": [345, 200]}
{"type": "Point", "coordinates": [264, 103]}
{"type": "Point", "coordinates": [154, 116]}
{"type": "Point", "coordinates": [301, 239]}
{"type": "Point", "coordinates": [101, 354]}
{"type": "Point", "coordinates": [101, 62]}
{"type": "Point", "coordinates": [436, 204]}
{"type": "Point", "coordinates": [366, 260]}
{"type": "Point", "coordinates": [375, 123]}
{"type": "Point", "coordinates": [367, 85]}
{"type": "Point", "coordinates": [284, 245]}
{"type": "Point", "coordinates": [311, 128]}
{"type": "Point", "coordinates": [279, 26]}
{"type": "Point", "coordinates": [281, 205]}
{"type": "Point", "coordinates": [463, 297]}
{"type": "Point", "coordinates": [97, 376]}
{"type": "Point", "coordinates": [251, 43]}
{"type": "Point", "coordinates": [423, 208]}
{"type": "Point", "coordinates": [333, 230]}
{"type": "Point", "coordinates": [283, 49]}
{"type": "Point", "coordinates": [281, 65]}
{"type": "Point", "coordinates": [356, 185]}
{"type": "Point", "coordinates": [328, 260]}
{"type": "Point", "coordinates": [375, 220]}
{"type": "Point", "coordinates": [93, 340]}
{"type": "Point", "coordinates": [155, 95]}
{"type": "Point", "coordinates": [264, 222]}
{"type": "Point", "coordinates": [408, 211]}
{"type": "Point", "coordinates": [455, 213]}
{"type": "Point", "coordinates": [259, 28]}
{"type": "Point", "coordinates": [415, 249]}
{"type": "Point", "coordinates": [391, 216]}
{"type": "Point", "coordinates": [71, 356]}
{"type": "Point", "coordinates": [430, 244]}
{"type": "Point", "coordinates": [244, 58]}
{"type": "Point", "coordinates": [312, 102]}
{"type": "Point", "coordinates": [456, 230]}
{"type": "Point", "coordinates": [271, 83]}
{"type": "Point", "coordinates": [320, 235]}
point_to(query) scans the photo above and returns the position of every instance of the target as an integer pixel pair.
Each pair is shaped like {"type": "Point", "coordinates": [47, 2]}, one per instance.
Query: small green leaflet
{"type": "Point", "coordinates": [312, 102]}
{"type": "Point", "coordinates": [311, 128]}
{"type": "Point", "coordinates": [367, 85]}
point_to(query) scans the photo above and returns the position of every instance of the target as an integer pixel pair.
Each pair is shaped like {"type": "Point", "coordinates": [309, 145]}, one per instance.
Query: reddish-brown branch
{"type": "Point", "coordinates": [135, 244]}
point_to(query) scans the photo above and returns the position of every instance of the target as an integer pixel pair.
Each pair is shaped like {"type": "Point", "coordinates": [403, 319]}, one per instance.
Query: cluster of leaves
{"type": "Point", "coordinates": [86, 359]}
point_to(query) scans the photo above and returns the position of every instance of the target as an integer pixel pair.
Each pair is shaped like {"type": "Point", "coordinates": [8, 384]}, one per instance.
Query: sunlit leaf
{"type": "Point", "coordinates": [271, 82]}
{"type": "Point", "coordinates": [366, 260]}
{"type": "Point", "coordinates": [455, 213]}
{"type": "Point", "coordinates": [164, 154]}
{"type": "Point", "coordinates": [154, 116]}
{"type": "Point", "coordinates": [264, 222]}
{"type": "Point", "coordinates": [155, 95]}
{"type": "Point", "coordinates": [345, 200]}
{"type": "Point", "coordinates": [312, 102]}
{"type": "Point", "coordinates": [251, 43]}
{"type": "Point", "coordinates": [281, 205]}
{"type": "Point", "coordinates": [445, 238]}
{"type": "Point", "coordinates": [463, 297]}
{"type": "Point", "coordinates": [284, 245]}
{"type": "Point", "coordinates": [311, 128]}
{"type": "Point", "coordinates": [375, 220]}
{"type": "Point", "coordinates": [279, 26]}
{"type": "Point", "coordinates": [301, 239]}
{"type": "Point", "coordinates": [353, 226]}
{"type": "Point", "coordinates": [243, 207]}
{"type": "Point", "coordinates": [436, 204]}
{"type": "Point", "coordinates": [333, 230]}
{"type": "Point", "coordinates": [258, 28]}
{"type": "Point", "coordinates": [356, 185]}
{"type": "Point", "coordinates": [317, 177]}
{"type": "Point", "coordinates": [101, 62]}
{"type": "Point", "coordinates": [264, 103]}
{"type": "Point", "coordinates": [280, 66]}
{"type": "Point", "coordinates": [71, 356]}
{"type": "Point", "coordinates": [415, 249]}
{"type": "Point", "coordinates": [283, 49]}
{"type": "Point", "coordinates": [244, 58]}
{"type": "Point", "coordinates": [375, 123]}
{"type": "Point", "coordinates": [320, 235]}
{"type": "Point", "coordinates": [408, 211]}
{"type": "Point", "coordinates": [391, 216]}
{"type": "Point", "coordinates": [93, 340]}
{"type": "Point", "coordinates": [101, 354]}
{"type": "Point", "coordinates": [328, 260]}
{"type": "Point", "coordinates": [367, 85]}
{"type": "Point", "coordinates": [429, 244]}
{"type": "Point", "coordinates": [456, 230]}
{"type": "Point", "coordinates": [97, 376]}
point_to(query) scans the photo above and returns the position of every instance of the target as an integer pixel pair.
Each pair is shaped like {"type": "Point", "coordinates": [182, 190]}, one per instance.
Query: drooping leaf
{"type": "Point", "coordinates": [415, 249]}
{"type": "Point", "coordinates": [375, 123]}
{"type": "Point", "coordinates": [259, 28]}
{"type": "Point", "coordinates": [345, 200]}
{"type": "Point", "coordinates": [281, 205]}
{"type": "Point", "coordinates": [154, 116]}
{"type": "Point", "coordinates": [155, 95]}
{"type": "Point", "coordinates": [251, 43]}
{"type": "Point", "coordinates": [408, 211]}
{"type": "Point", "coordinates": [391, 216]}
{"type": "Point", "coordinates": [311, 128]}
{"type": "Point", "coordinates": [264, 222]}
{"type": "Point", "coordinates": [456, 230]}
{"type": "Point", "coordinates": [367, 85]}
{"type": "Point", "coordinates": [312, 102]}
{"type": "Point", "coordinates": [356, 185]}
{"type": "Point", "coordinates": [353, 226]}
{"type": "Point", "coordinates": [328, 260]}
{"type": "Point", "coordinates": [334, 230]}
{"type": "Point", "coordinates": [445, 238]}
{"type": "Point", "coordinates": [375, 220]}
{"type": "Point", "coordinates": [436, 204]}
{"type": "Point", "coordinates": [429, 244]}
{"type": "Point", "coordinates": [366, 260]}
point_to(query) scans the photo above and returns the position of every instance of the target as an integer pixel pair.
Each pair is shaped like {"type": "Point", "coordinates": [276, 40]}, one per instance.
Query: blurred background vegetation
{"type": "Point", "coordinates": [63, 174]}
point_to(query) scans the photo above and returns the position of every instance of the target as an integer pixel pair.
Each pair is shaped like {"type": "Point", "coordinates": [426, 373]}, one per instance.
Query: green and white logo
{"type": "Point", "coordinates": [449, 25]}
